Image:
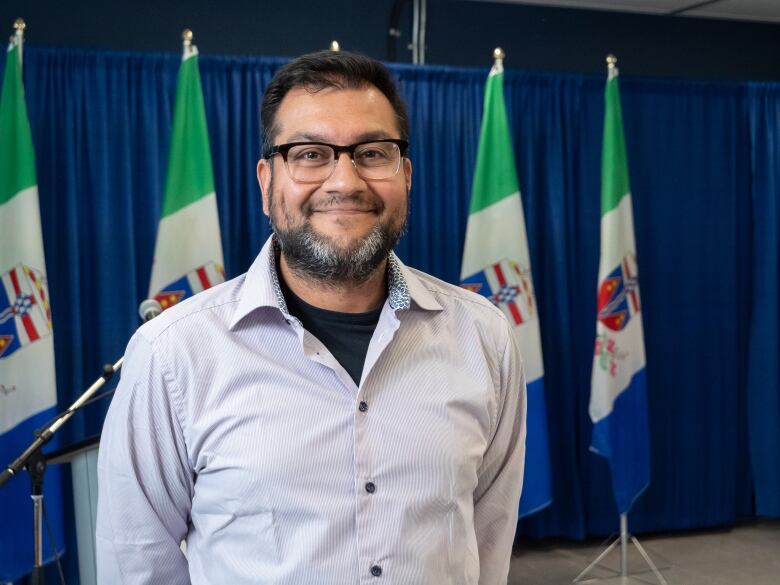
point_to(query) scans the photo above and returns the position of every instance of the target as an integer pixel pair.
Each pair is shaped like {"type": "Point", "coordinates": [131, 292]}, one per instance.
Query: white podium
{"type": "Point", "coordinates": [82, 458]}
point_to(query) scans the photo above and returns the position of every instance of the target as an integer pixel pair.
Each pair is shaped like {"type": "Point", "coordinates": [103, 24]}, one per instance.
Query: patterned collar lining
{"type": "Point", "coordinates": [400, 299]}
{"type": "Point", "coordinates": [398, 291]}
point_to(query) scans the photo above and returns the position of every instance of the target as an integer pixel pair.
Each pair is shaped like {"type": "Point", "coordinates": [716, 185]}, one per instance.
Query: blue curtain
{"type": "Point", "coordinates": [704, 164]}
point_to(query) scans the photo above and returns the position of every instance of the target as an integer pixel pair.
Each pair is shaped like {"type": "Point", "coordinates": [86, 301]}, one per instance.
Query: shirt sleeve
{"type": "Point", "coordinates": [144, 479]}
{"type": "Point", "coordinates": [500, 480]}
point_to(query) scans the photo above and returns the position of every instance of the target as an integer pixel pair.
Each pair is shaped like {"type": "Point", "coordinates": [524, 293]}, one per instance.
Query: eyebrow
{"type": "Point", "coordinates": [315, 137]}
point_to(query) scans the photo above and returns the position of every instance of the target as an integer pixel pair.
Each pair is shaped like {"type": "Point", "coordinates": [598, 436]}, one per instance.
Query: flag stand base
{"type": "Point", "coordinates": [624, 577]}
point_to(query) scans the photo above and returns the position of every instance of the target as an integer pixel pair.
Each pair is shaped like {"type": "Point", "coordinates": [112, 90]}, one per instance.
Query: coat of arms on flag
{"type": "Point", "coordinates": [25, 316]}
{"type": "Point", "coordinates": [193, 282]}
{"type": "Point", "coordinates": [507, 286]}
{"type": "Point", "coordinates": [618, 298]}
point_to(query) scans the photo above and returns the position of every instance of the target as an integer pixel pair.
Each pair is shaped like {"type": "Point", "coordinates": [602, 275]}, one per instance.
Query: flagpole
{"type": "Point", "coordinates": [624, 545]}
{"type": "Point", "coordinates": [611, 73]}
{"type": "Point", "coordinates": [35, 461]}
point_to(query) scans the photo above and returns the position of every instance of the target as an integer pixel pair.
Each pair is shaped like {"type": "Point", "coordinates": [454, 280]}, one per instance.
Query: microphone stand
{"type": "Point", "coordinates": [35, 461]}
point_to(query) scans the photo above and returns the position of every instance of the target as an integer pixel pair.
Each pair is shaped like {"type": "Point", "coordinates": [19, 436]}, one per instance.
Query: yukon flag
{"type": "Point", "coordinates": [496, 264]}
{"type": "Point", "coordinates": [28, 393]}
{"type": "Point", "coordinates": [618, 399]}
{"type": "Point", "coordinates": [188, 253]}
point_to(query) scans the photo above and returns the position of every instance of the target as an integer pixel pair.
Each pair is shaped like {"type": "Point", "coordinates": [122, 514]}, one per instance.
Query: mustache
{"type": "Point", "coordinates": [356, 201]}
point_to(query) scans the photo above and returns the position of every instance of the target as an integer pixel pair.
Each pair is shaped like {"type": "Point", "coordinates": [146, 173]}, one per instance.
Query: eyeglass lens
{"type": "Point", "coordinates": [316, 162]}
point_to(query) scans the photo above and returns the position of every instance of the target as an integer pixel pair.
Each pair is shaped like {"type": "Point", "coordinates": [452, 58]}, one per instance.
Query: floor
{"type": "Point", "coordinates": [748, 554]}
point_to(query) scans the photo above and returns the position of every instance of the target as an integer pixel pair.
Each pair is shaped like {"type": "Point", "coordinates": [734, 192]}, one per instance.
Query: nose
{"type": "Point", "coordinates": [344, 178]}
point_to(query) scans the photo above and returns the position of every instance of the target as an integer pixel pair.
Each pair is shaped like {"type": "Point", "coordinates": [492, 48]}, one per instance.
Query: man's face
{"type": "Point", "coordinates": [344, 227]}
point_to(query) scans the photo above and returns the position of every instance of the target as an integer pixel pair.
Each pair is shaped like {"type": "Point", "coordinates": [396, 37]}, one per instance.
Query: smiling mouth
{"type": "Point", "coordinates": [344, 211]}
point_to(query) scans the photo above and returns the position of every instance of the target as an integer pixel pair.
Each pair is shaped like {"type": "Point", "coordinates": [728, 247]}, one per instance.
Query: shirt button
{"type": "Point", "coordinates": [376, 570]}
{"type": "Point", "coordinates": [370, 487]}
{"type": "Point", "coordinates": [363, 407]}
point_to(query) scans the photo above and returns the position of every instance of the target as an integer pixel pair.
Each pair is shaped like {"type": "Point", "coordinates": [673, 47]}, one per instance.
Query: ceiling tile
{"type": "Point", "coordinates": [759, 10]}
{"type": "Point", "coordinates": [755, 10]}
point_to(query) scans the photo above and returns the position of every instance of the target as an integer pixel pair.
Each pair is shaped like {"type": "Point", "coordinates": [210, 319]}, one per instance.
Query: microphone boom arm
{"type": "Point", "coordinates": [45, 435]}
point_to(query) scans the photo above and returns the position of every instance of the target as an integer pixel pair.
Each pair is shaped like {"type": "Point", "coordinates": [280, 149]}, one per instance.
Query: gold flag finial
{"type": "Point", "coordinates": [498, 54]}
{"type": "Point", "coordinates": [611, 60]}
{"type": "Point", "coordinates": [334, 46]}
{"type": "Point", "coordinates": [19, 25]}
{"type": "Point", "coordinates": [186, 37]}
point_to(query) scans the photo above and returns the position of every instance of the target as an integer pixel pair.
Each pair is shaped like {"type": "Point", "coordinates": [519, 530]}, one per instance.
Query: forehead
{"type": "Point", "coordinates": [335, 115]}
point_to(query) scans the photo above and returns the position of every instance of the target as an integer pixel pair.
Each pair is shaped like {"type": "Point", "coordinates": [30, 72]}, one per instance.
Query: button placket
{"type": "Point", "coordinates": [368, 504]}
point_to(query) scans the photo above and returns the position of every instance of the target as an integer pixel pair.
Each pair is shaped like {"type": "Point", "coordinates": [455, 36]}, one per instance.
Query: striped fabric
{"type": "Point", "coordinates": [236, 429]}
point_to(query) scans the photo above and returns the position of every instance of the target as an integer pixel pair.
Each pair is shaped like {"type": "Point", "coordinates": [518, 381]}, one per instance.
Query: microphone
{"type": "Point", "coordinates": [149, 309]}
{"type": "Point", "coordinates": [6, 475]}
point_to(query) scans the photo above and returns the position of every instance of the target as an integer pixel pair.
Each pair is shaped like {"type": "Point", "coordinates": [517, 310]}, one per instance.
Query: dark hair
{"type": "Point", "coordinates": [324, 69]}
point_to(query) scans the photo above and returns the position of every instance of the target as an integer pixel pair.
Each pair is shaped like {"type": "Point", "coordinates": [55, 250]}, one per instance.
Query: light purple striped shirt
{"type": "Point", "coordinates": [236, 430]}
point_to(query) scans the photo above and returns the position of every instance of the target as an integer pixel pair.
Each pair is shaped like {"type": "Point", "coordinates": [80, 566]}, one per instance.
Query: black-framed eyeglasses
{"type": "Point", "coordinates": [314, 162]}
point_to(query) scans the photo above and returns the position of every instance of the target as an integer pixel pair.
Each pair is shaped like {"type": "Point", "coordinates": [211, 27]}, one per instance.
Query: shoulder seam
{"type": "Point", "coordinates": [488, 307]}
{"type": "Point", "coordinates": [189, 314]}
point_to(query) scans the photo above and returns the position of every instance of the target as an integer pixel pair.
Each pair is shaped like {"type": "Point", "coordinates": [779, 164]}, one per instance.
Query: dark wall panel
{"type": "Point", "coordinates": [458, 33]}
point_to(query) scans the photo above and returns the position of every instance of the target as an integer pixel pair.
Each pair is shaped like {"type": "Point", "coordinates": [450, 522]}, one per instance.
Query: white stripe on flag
{"type": "Point", "coordinates": [482, 246]}
{"type": "Point", "coordinates": [617, 236]}
{"type": "Point", "coordinates": [21, 234]}
{"type": "Point", "coordinates": [186, 239]}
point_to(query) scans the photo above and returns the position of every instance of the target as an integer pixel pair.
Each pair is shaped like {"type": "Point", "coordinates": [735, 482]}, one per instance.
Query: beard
{"type": "Point", "coordinates": [318, 257]}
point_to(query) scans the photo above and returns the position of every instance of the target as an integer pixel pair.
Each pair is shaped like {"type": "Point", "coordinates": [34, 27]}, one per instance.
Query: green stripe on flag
{"type": "Point", "coordinates": [614, 164]}
{"type": "Point", "coordinates": [189, 167]}
{"type": "Point", "coordinates": [17, 157]}
{"type": "Point", "coordinates": [495, 176]}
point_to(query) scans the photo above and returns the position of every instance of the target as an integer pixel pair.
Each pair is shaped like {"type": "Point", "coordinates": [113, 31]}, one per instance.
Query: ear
{"type": "Point", "coordinates": [408, 174]}
{"type": "Point", "coordinates": [264, 180]}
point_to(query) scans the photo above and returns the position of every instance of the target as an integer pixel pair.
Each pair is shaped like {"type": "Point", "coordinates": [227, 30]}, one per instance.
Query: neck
{"type": "Point", "coordinates": [344, 297]}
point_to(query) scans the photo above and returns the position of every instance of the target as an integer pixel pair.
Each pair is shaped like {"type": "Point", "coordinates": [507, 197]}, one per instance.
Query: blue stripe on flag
{"type": "Point", "coordinates": [183, 284]}
{"type": "Point", "coordinates": [537, 488]}
{"type": "Point", "coordinates": [622, 437]}
{"type": "Point", "coordinates": [16, 528]}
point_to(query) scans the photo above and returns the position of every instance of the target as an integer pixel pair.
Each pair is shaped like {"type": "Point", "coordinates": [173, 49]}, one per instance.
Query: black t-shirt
{"type": "Point", "coordinates": [346, 335]}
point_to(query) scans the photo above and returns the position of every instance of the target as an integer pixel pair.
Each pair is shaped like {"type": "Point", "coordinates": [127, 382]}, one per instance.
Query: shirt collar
{"type": "Point", "coordinates": [406, 287]}
{"type": "Point", "coordinates": [261, 286]}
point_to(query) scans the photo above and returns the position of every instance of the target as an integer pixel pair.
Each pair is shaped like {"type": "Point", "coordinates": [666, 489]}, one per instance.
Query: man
{"type": "Point", "coordinates": [331, 416]}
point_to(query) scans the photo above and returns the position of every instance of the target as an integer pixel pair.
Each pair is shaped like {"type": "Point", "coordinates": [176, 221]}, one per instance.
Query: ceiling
{"type": "Point", "coordinates": [753, 10]}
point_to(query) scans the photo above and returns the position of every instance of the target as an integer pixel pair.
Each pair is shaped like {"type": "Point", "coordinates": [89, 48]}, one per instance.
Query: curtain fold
{"type": "Point", "coordinates": [763, 384]}
{"type": "Point", "coordinates": [703, 162]}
